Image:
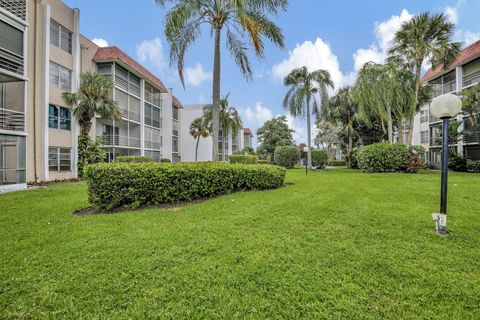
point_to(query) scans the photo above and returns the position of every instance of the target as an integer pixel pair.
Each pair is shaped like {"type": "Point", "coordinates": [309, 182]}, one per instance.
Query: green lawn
{"type": "Point", "coordinates": [337, 244]}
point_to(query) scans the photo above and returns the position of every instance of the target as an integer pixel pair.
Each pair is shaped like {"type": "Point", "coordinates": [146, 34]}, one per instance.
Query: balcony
{"type": "Point", "coordinates": [471, 138]}
{"type": "Point", "coordinates": [471, 79]}
{"type": "Point", "coordinates": [120, 141]}
{"type": "Point", "coordinates": [12, 120]}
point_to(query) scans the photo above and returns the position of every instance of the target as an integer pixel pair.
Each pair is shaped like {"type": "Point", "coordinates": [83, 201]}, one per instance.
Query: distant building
{"type": "Point", "coordinates": [247, 138]}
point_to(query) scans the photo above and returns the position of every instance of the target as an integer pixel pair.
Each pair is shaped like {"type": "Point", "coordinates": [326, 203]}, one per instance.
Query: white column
{"type": "Point", "coordinates": [45, 89]}
{"type": "Point", "coordinates": [459, 85]}
{"type": "Point", "coordinates": [142, 117]}
{"type": "Point", "coordinates": [76, 53]}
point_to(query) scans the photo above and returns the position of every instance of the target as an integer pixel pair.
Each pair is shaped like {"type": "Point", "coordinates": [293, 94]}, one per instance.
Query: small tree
{"type": "Point", "coordinates": [198, 129]}
{"type": "Point", "coordinates": [93, 97]}
{"type": "Point", "coordinates": [273, 133]}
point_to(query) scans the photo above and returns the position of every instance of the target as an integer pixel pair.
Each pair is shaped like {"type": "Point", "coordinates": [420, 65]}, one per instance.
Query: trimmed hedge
{"type": "Point", "coordinates": [319, 158]}
{"type": "Point", "coordinates": [287, 156]}
{"type": "Point", "coordinates": [473, 166]}
{"type": "Point", "coordinates": [337, 163]}
{"type": "Point", "coordinates": [165, 160]}
{"type": "Point", "coordinates": [112, 185]}
{"type": "Point", "coordinates": [383, 157]}
{"type": "Point", "coordinates": [263, 162]}
{"type": "Point", "coordinates": [243, 158]}
{"type": "Point", "coordinates": [135, 159]}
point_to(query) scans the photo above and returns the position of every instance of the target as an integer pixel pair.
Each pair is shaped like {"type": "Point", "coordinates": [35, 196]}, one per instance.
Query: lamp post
{"type": "Point", "coordinates": [444, 107]}
{"type": "Point", "coordinates": [306, 150]}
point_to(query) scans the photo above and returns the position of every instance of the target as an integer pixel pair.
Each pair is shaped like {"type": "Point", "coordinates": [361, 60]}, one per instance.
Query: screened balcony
{"type": "Point", "coordinates": [471, 73]}
{"type": "Point", "coordinates": [119, 134]}
{"type": "Point", "coordinates": [12, 106]}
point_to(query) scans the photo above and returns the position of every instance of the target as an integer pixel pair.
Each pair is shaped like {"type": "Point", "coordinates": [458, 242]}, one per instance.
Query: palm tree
{"type": "Point", "coordinates": [93, 97]}
{"type": "Point", "coordinates": [303, 86]}
{"type": "Point", "coordinates": [384, 92]}
{"type": "Point", "coordinates": [244, 22]}
{"type": "Point", "coordinates": [425, 37]}
{"type": "Point", "coordinates": [198, 129]}
{"type": "Point", "coordinates": [229, 119]}
{"type": "Point", "coordinates": [342, 111]}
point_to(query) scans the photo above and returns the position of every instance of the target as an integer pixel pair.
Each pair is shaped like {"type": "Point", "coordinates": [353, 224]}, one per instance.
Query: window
{"type": "Point", "coordinates": [155, 154]}
{"type": "Point", "coordinates": [175, 113]}
{"type": "Point", "coordinates": [59, 159]}
{"type": "Point", "coordinates": [423, 116]}
{"type": "Point", "coordinates": [424, 137]}
{"type": "Point", "coordinates": [60, 36]}
{"type": "Point", "coordinates": [152, 116]}
{"type": "Point", "coordinates": [60, 77]}
{"type": "Point", "coordinates": [59, 117]}
{"type": "Point", "coordinates": [174, 144]}
{"type": "Point", "coordinates": [11, 39]}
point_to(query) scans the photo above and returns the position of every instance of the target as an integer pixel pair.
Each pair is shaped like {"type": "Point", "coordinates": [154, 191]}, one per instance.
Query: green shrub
{"type": "Point", "coordinates": [135, 159]}
{"type": "Point", "coordinates": [165, 160]}
{"type": "Point", "coordinates": [263, 162]}
{"type": "Point", "coordinates": [89, 151]}
{"type": "Point", "coordinates": [457, 163]}
{"type": "Point", "coordinates": [383, 157]}
{"type": "Point", "coordinates": [337, 163]}
{"type": "Point", "coordinates": [473, 166]}
{"type": "Point", "coordinates": [351, 157]}
{"type": "Point", "coordinates": [319, 158]}
{"type": "Point", "coordinates": [243, 158]}
{"type": "Point", "coordinates": [415, 162]}
{"type": "Point", "coordinates": [286, 156]}
{"type": "Point", "coordinates": [111, 185]}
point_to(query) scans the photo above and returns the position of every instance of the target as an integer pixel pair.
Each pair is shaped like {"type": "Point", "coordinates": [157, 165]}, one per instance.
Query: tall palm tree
{"type": "Point", "coordinates": [342, 111]}
{"type": "Point", "coordinates": [303, 86]}
{"type": "Point", "coordinates": [244, 22]}
{"type": "Point", "coordinates": [198, 129]}
{"type": "Point", "coordinates": [384, 92]}
{"type": "Point", "coordinates": [93, 97]}
{"type": "Point", "coordinates": [229, 119]}
{"type": "Point", "coordinates": [426, 37]}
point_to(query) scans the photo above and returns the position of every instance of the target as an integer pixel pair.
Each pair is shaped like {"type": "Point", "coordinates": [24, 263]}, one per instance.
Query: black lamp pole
{"type": "Point", "coordinates": [443, 196]}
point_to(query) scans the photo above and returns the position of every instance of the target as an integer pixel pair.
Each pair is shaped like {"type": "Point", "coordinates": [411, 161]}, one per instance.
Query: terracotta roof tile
{"type": "Point", "coordinates": [114, 53]}
{"type": "Point", "coordinates": [176, 102]}
{"type": "Point", "coordinates": [247, 131]}
{"type": "Point", "coordinates": [470, 52]}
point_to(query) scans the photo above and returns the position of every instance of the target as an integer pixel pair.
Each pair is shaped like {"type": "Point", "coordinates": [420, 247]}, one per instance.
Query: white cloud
{"type": "Point", "coordinates": [196, 75]}
{"type": "Point", "coordinates": [315, 55]}
{"type": "Point", "coordinates": [468, 37]}
{"type": "Point", "coordinates": [258, 115]}
{"type": "Point", "coordinates": [100, 42]}
{"type": "Point", "coordinates": [384, 35]}
{"type": "Point", "coordinates": [150, 52]}
{"type": "Point", "coordinates": [451, 14]}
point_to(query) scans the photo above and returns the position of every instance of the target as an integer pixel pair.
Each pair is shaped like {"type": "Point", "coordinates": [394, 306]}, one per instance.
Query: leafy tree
{"type": "Point", "coordinates": [198, 129]}
{"type": "Point", "coordinates": [342, 111]}
{"type": "Point", "coordinates": [230, 120]}
{"type": "Point", "coordinates": [244, 22]}
{"type": "Point", "coordinates": [327, 135]}
{"type": "Point", "coordinates": [303, 86]}
{"type": "Point", "coordinates": [426, 37]}
{"type": "Point", "coordinates": [384, 92]}
{"type": "Point", "coordinates": [93, 97]}
{"type": "Point", "coordinates": [248, 150]}
{"type": "Point", "coordinates": [274, 133]}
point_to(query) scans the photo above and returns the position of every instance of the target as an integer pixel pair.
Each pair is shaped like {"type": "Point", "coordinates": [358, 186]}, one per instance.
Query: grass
{"type": "Point", "coordinates": [337, 244]}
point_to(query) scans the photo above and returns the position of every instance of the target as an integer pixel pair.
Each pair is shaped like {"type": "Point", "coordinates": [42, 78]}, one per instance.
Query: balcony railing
{"type": "Point", "coordinates": [12, 120]}
{"type": "Point", "coordinates": [120, 141]}
{"type": "Point", "coordinates": [152, 145]}
{"type": "Point", "coordinates": [471, 78]}
{"type": "Point", "coordinates": [471, 138]}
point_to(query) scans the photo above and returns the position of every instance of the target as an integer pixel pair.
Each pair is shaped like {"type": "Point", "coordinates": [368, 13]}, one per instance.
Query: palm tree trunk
{"type": "Point", "coordinates": [309, 136]}
{"type": "Point", "coordinates": [216, 95]}
{"type": "Point", "coordinates": [418, 67]}
{"type": "Point", "coordinates": [400, 133]}
{"type": "Point", "coordinates": [196, 149]}
{"type": "Point", "coordinates": [390, 125]}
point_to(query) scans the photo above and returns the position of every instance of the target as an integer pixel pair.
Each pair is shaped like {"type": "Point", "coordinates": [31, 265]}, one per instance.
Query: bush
{"type": "Point", "coordinates": [286, 156]}
{"type": "Point", "coordinates": [383, 157]}
{"type": "Point", "coordinates": [263, 162]}
{"type": "Point", "coordinates": [352, 162]}
{"type": "Point", "coordinates": [415, 162]}
{"type": "Point", "coordinates": [112, 185]}
{"type": "Point", "coordinates": [243, 158]}
{"type": "Point", "coordinates": [135, 159]}
{"type": "Point", "coordinates": [456, 163]}
{"type": "Point", "coordinates": [89, 151]}
{"type": "Point", "coordinates": [337, 163]}
{"type": "Point", "coordinates": [165, 160]}
{"type": "Point", "coordinates": [473, 166]}
{"type": "Point", "coordinates": [319, 158]}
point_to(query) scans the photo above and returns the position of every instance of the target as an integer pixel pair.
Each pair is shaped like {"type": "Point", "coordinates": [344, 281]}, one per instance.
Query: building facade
{"type": "Point", "coordinates": [42, 55]}
{"type": "Point", "coordinates": [462, 74]}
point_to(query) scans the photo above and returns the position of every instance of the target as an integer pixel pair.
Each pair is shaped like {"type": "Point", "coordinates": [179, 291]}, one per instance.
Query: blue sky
{"type": "Point", "coordinates": [335, 35]}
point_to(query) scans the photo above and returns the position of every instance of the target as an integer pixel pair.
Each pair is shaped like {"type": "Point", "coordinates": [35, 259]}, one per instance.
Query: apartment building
{"type": "Point", "coordinates": [228, 145]}
{"type": "Point", "coordinates": [42, 55]}
{"type": "Point", "coordinates": [463, 73]}
{"type": "Point", "coordinates": [247, 138]}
